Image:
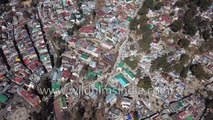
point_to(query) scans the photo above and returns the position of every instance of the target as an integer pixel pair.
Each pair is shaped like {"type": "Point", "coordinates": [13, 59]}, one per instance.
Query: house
{"type": "Point", "coordinates": [72, 42]}
{"type": "Point", "coordinates": [65, 75]}
{"type": "Point", "coordinates": [18, 80]}
{"type": "Point", "coordinates": [93, 95]}
{"type": "Point", "coordinates": [126, 103]}
{"type": "Point", "coordinates": [107, 45]}
{"type": "Point", "coordinates": [32, 99]}
{"type": "Point", "coordinates": [3, 98]}
{"type": "Point", "coordinates": [92, 64]}
{"type": "Point", "coordinates": [130, 74]}
{"type": "Point", "coordinates": [184, 114]}
{"type": "Point", "coordinates": [111, 98]}
{"type": "Point", "coordinates": [122, 80]}
{"type": "Point", "coordinates": [87, 30]}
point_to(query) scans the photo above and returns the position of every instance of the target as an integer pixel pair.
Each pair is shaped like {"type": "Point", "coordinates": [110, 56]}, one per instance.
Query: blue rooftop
{"type": "Point", "coordinates": [122, 80]}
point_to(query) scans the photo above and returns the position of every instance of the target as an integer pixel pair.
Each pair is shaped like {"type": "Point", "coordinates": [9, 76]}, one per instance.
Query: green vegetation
{"type": "Point", "coordinates": [198, 71]}
{"type": "Point", "coordinates": [184, 71]}
{"type": "Point", "coordinates": [142, 24]}
{"type": "Point", "coordinates": [181, 3]}
{"type": "Point", "coordinates": [158, 5]}
{"type": "Point", "coordinates": [177, 66]}
{"type": "Point", "coordinates": [184, 59]}
{"type": "Point", "coordinates": [190, 28]}
{"type": "Point", "coordinates": [70, 31]}
{"type": "Point", "coordinates": [138, 73]}
{"type": "Point", "coordinates": [206, 34]}
{"type": "Point", "coordinates": [206, 46]}
{"type": "Point", "coordinates": [132, 63]}
{"type": "Point", "coordinates": [204, 4]}
{"type": "Point", "coordinates": [190, 22]}
{"type": "Point", "coordinates": [161, 63]}
{"type": "Point", "coordinates": [145, 83]}
{"type": "Point", "coordinates": [184, 43]}
{"type": "Point", "coordinates": [176, 25]}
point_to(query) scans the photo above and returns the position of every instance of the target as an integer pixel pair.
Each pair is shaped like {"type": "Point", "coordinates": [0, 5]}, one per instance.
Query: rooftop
{"type": "Point", "coordinates": [122, 80]}
{"type": "Point", "coordinates": [3, 98]}
{"type": "Point", "coordinates": [130, 73]}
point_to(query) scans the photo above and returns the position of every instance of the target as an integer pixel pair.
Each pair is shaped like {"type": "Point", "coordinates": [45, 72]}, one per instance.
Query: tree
{"type": "Point", "coordinates": [70, 31]}
{"type": "Point", "coordinates": [198, 71]}
{"type": "Point", "coordinates": [176, 25]}
{"type": "Point", "coordinates": [206, 46]}
{"type": "Point", "coordinates": [189, 15]}
{"type": "Point", "coordinates": [145, 83]}
{"type": "Point", "coordinates": [160, 63]}
{"type": "Point", "coordinates": [133, 24]}
{"type": "Point", "coordinates": [206, 34]}
{"type": "Point", "coordinates": [180, 3]}
{"type": "Point", "coordinates": [204, 4]}
{"type": "Point", "coordinates": [178, 68]}
{"type": "Point", "coordinates": [149, 4]}
{"type": "Point", "coordinates": [192, 6]}
{"type": "Point", "coordinates": [184, 59]}
{"type": "Point", "coordinates": [158, 5]}
{"type": "Point", "coordinates": [131, 63]}
{"type": "Point", "coordinates": [184, 71]}
{"type": "Point", "coordinates": [184, 43]}
{"type": "Point", "coordinates": [190, 28]}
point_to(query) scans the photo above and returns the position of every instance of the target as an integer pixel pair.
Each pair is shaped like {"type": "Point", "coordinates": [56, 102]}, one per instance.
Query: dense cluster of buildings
{"type": "Point", "coordinates": [25, 61]}
{"type": "Point", "coordinates": [93, 61]}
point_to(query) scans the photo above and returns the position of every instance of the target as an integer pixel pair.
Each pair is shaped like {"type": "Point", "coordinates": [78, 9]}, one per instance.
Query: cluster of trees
{"type": "Point", "coordinates": [161, 64]}
{"type": "Point", "coordinates": [206, 46]}
{"type": "Point", "coordinates": [198, 71]}
{"type": "Point", "coordinates": [73, 29]}
{"type": "Point", "coordinates": [145, 83]}
{"type": "Point", "coordinates": [190, 22]}
{"type": "Point", "coordinates": [142, 22]}
{"type": "Point", "coordinates": [132, 63]}
{"type": "Point", "coordinates": [180, 66]}
{"type": "Point", "coordinates": [184, 43]}
{"type": "Point", "coordinates": [202, 4]}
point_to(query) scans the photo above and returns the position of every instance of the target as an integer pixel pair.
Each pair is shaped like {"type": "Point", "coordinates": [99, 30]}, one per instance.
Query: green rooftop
{"type": "Point", "coordinates": [150, 26]}
{"type": "Point", "coordinates": [99, 85]}
{"type": "Point", "coordinates": [154, 19]}
{"type": "Point", "coordinates": [180, 104]}
{"type": "Point", "coordinates": [43, 58]}
{"type": "Point", "coordinates": [91, 74]}
{"type": "Point", "coordinates": [85, 56]}
{"type": "Point", "coordinates": [3, 98]}
{"type": "Point", "coordinates": [190, 118]}
{"type": "Point", "coordinates": [121, 64]}
{"type": "Point", "coordinates": [56, 86]}
{"type": "Point", "coordinates": [99, 73]}
{"type": "Point", "coordinates": [62, 101]}
{"type": "Point", "coordinates": [129, 19]}
{"type": "Point", "coordinates": [130, 73]}
{"type": "Point", "coordinates": [128, 0]}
